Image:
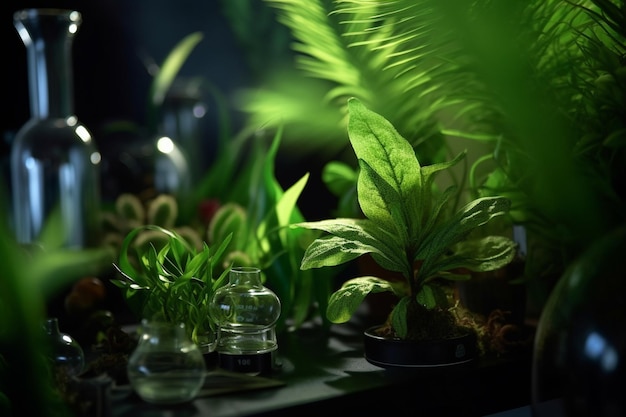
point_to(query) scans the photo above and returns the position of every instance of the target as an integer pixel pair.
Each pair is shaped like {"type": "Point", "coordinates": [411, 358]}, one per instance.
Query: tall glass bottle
{"type": "Point", "coordinates": [54, 160]}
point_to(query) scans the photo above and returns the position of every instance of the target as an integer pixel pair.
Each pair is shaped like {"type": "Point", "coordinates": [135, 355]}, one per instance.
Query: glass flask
{"type": "Point", "coordinates": [66, 355]}
{"type": "Point", "coordinates": [245, 312]}
{"type": "Point", "coordinates": [166, 367]}
{"type": "Point", "coordinates": [182, 117]}
{"type": "Point", "coordinates": [145, 165]}
{"type": "Point", "coordinates": [54, 160]}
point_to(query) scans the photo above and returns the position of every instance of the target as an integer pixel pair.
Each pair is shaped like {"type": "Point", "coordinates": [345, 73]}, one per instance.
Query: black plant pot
{"type": "Point", "coordinates": [388, 353]}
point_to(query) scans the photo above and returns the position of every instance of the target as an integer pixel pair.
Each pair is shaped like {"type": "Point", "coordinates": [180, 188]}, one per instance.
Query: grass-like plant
{"type": "Point", "coordinates": [167, 278]}
{"type": "Point", "coordinates": [410, 228]}
{"type": "Point", "coordinates": [257, 212]}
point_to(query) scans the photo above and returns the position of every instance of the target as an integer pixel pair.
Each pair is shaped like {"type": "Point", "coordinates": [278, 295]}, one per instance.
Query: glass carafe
{"type": "Point", "coordinates": [166, 367]}
{"type": "Point", "coordinates": [54, 160]}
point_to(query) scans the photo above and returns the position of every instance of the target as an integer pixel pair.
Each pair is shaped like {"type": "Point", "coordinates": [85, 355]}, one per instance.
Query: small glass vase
{"type": "Point", "coordinates": [245, 312]}
{"type": "Point", "coordinates": [65, 354]}
{"type": "Point", "coordinates": [55, 169]}
{"type": "Point", "coordinates": [166, 367]}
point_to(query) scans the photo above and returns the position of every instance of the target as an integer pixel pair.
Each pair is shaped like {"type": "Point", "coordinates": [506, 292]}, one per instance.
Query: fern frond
{"type": "Point", "coordinates": [379, 51]}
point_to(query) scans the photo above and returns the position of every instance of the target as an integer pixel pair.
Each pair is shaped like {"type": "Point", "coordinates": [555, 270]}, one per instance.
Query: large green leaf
{"type": "Point", "coordinates": [376, 142]}
{"type": "Point", "coordinates": [354, 237]}
{"type": "Point", "coordinates": [345, 301]}
{"type": "Point", "coordinates": [381, 203]}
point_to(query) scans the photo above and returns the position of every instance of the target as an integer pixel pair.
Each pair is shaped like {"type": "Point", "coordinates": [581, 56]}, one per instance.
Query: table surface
{"type": "Point", "coordinates": [322, 370]}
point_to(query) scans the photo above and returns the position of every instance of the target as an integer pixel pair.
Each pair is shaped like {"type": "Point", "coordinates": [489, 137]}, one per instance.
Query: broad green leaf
{"type": "Point", "coordinates": [485, 254]}
{"type": "Point", "coordinates": [426, 297]}
{"type": "Point", "coordinates": [332, 251]}
{"type": "Point", "coordinates": [345, 301]}
{"type": "Point", "coordinates": [377, 142]}
{"type": "Point", "coordinates": [399, 317]}
{"type": "Point", "coordinates": [339, 177]}
{"type": "Point", "coordinates": [381, 203]}
{"type": "Point", "coordinates": [356, 237]}
{"type": "Point", "coordinates": [356, 229]}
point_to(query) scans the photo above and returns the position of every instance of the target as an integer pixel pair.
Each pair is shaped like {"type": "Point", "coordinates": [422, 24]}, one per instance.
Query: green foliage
{"type": "Point", "coordinates": [261, 40]}
{"type": "Point", "coordinates": [30, 277]}
{"type": "Point", "coordinates": [408, 226]}
{"type": "Point", "coordinates": [258, 212]}
{"type": "Point", "coordinates": [550, 97]}
{"type": "Point", "coordinates": [540, 84]}
{"type": "Point", "coordinates": [171, 280]}
{"type": "Point", "coordinates": [377, 51]}
{"type": "Point", "coordinates": [168, 71]}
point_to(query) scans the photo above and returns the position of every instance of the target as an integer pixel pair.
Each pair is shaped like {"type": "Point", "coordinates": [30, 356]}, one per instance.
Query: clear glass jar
{"type": "Point", "coordinates": [54, 160]}
{"type": "Point", "coordinates": [245, 312]}
{"type": "Point", "coordinates": [166, 367]}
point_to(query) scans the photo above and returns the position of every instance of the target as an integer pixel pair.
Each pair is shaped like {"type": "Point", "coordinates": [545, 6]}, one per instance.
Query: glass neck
{"type": "Point", "coordinates": [48, 35]}
{"type": "Point", "coordinates": [51, 326]}
{"type": "Point", "coordinates": [245, 276]}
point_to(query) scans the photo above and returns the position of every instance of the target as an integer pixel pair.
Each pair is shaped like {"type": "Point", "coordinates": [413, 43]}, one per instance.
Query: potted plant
{"type": "Point", "coordinates": [409, 227]}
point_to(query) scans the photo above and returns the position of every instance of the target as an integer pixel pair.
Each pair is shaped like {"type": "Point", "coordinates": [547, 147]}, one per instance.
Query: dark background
{"type": "Point", "coordinates": [112, 51]}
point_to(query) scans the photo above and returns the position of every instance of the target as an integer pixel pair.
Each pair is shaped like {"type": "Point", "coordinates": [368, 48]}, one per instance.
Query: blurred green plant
{"type": "Point", "coordinates": [257, 211]}
{"type": "Point", "coordinates": [394, 65]}
{"type": "Point", "coordinates": [550, 98]}
{"type": "Point", "coordinates": [130, 212]}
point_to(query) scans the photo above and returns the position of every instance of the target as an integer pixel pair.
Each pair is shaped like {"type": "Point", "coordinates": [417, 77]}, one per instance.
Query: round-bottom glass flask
{"type": "Point", "coordinates": [64, 352]}
{"type": "Point", "coordinates": [579, 359]}
{"type": "Point", "coordinates": [166, 367]}
{"type": "Point", "coordinates": [246, 313]}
